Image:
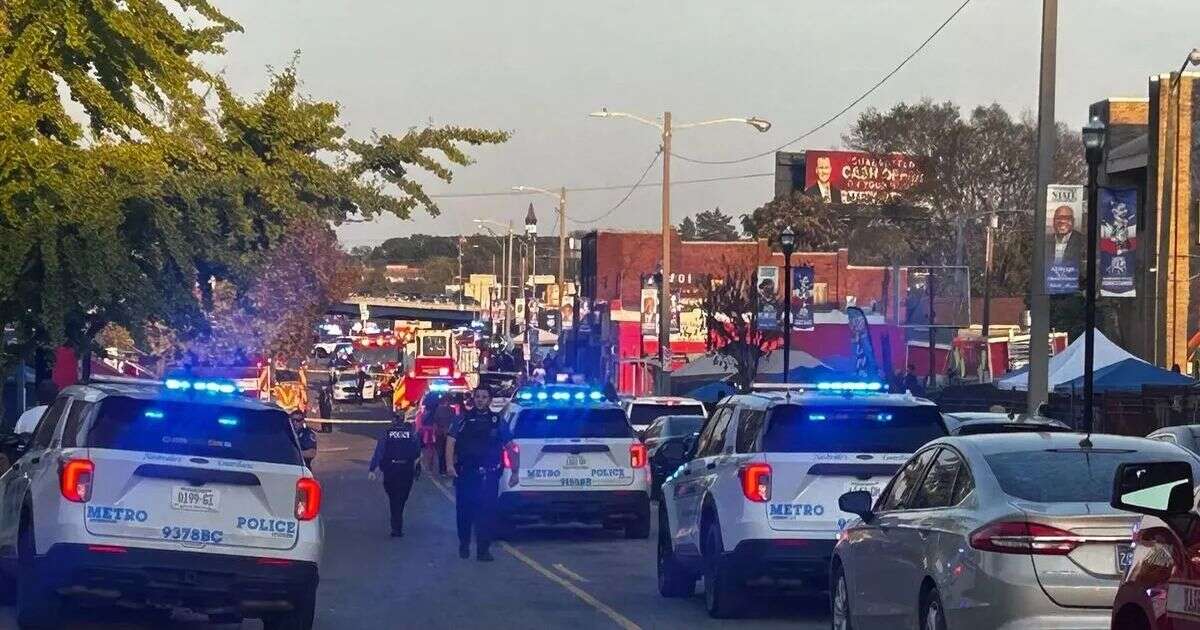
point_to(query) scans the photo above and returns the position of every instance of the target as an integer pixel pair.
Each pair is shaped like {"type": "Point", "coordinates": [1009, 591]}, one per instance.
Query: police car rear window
{"type": "Point", "coordinates": [201, 430]}
{"type": "Point", "coordinates": [802, 429]}
{"type": "Point", "coordinates": [643, 413]}
{"type": "Point", "coordinates": [534, 424]}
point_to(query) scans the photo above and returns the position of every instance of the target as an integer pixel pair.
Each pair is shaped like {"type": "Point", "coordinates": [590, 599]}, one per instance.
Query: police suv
{"type": "Point", "coordinates": [577, 460]}
{"type": "Point", "coordinates": [157, 496]}
{"type": "Point", "coordinates": [758, 500]}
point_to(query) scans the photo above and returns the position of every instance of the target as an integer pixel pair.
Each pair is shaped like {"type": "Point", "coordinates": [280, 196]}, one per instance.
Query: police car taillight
{"type": "Point", "coordinates": [308, 498]}
{"type": "Point", "coordinates": [756, 481]}
{"type": "Point", "coordinates": [507, 457]}
{"type": "Point", "coordinates": [637, 455]}
{"type": "Point", "coordinates": [75, 480]}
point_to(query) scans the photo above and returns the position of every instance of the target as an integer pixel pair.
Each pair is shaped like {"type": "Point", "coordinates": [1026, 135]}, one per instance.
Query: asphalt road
{"type": "Point", "coordinates": [550, 577]}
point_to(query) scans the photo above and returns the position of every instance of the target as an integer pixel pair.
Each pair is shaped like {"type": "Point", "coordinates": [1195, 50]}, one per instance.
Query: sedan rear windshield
{"type": "Point", "coordinates": [683, 426]}
{"type": "Point", "coordinates": [534, 424]}
{"type": "Point", "coordinates": [799, 429]}
{"type": "Point", "coordinates": [1078, 475]}
{"type": "Point", "coordinates": [195, 429]}
{"type": "Point", "coordinates": [644, 414]}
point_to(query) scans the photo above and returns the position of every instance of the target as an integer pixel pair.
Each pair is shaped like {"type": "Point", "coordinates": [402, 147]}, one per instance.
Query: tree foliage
{"type": "Point", "coordinates": [731, 317]}
{"type": "Point", "coordinates": [687, 229]}
{"type": "Point", "coordinates": [714, 225]}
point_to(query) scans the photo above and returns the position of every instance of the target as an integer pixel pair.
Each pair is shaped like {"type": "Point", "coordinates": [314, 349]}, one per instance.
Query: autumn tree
{"type": "Point", "coordinates": [730, 311]}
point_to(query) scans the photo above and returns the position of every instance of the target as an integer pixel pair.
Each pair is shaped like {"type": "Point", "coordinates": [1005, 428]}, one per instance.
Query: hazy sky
{"type": "Point", "coordinates": [538, 67]}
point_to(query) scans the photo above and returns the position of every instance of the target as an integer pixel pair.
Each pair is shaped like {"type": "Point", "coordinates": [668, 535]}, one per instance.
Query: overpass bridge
{"type": "Point", "coordinates": [424, 308]}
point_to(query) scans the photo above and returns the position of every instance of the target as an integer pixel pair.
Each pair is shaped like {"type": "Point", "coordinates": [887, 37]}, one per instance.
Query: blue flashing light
{"type": "Point", "coordinates": [579, 396]}
{"type": "Point", "coordinates": [154, 414]}
{"type": "Point", "coordinates": [596, 396]}
{"type": "Point", "coordinates": [439, 387]}
{"type": "Point", "coordinates": [227, 422]}
{"type": "Point", "coordinates": [227, 388]}
{"type": "Point", "coordinates": [552, 416]}
{"type": "Point", "coordinates": [561, 396]}
{"type": "Point", "coordinates": [542, 395]}
{"type": "Point", "coordinates": [850, 386]}
{"type": "Point", "coordinates": [209, 387]}
{"type": "Point", "coordinates": [885, 417]}
{"type": "Point", "coordinates": [816, 417]}
{"type": "Point", "coordinates": [525, 396]}
{"type": "Point", "coordinates": [174, 383]}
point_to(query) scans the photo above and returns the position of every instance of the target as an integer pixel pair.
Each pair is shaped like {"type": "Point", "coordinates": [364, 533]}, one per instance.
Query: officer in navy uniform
{"type": "Point", "coordinates": [474, 454]}
{"type": "Point", "coordinates": [398, 455]}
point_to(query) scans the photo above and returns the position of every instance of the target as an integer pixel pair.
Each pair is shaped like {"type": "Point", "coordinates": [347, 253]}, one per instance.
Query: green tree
{"type": "Point", "coordinates": [714, 225]}
{"type": "Point", "coordinates": [373, 282]}
{"type": "Point", "coordinates": [687, 229]}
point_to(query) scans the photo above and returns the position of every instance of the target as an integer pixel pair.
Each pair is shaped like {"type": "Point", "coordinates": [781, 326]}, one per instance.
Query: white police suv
{"type": "Point", "coordinates": [577, 460]}
{"type": "Point", "coordinates": [153, 497]}
{"type": "Point", "coordinates": [758, 501]}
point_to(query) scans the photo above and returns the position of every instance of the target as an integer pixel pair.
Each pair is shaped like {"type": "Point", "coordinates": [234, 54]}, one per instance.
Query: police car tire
{"type": "Point", "coordinates": [301, 616]}
{"type": "Point", "coordinates": [724, 597]}
{"type": "Point", "coordinates": [673, 580]}
{"type": "Point", "coordinates": [638, 529]}
{"type": "Point", "coordinates": [38, 606]}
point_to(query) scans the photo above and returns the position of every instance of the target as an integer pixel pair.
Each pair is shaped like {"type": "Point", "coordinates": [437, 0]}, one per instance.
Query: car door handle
{"type": "Point", "coordinates": [710, 465]}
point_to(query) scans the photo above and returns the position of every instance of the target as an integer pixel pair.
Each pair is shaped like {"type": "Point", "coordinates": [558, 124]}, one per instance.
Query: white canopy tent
{"type": "Point", "coordinates": [1067, 365]}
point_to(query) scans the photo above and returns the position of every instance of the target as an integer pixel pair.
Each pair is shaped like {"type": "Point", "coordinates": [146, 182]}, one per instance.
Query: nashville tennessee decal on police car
{"type": "Point", "coordinates": [106, 514]}
{"type": "Point", "coordinates": [277, 527]}
{"type": "Point", "coordinates": [795, 510]}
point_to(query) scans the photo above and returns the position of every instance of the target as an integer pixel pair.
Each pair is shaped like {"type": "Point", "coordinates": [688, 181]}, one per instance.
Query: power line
{"type": "Point", "coordinates": [845, 109]}
{"type": "Point", "coordinates": [674, 182]}
{"type": "Point", "coordinates": [627, 195]}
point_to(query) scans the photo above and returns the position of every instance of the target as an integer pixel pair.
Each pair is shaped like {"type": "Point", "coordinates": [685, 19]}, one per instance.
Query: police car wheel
{"type": "Point", "coordinates": [673, 580]}
{"type": "Point", "coordinates": [299, 618]}
{"type": "Point", "coordinates": [38, 606]}
{"type": "Point", "coordinates": [639, 529]}
{"type": "Point", "coordinates": [723, 595]}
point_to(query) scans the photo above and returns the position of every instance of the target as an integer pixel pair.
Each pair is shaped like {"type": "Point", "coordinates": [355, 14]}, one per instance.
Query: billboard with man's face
{"type": "Point", "coordinates": [1066, 244]}
{"type": "Point", "coordinates": [860, 178]}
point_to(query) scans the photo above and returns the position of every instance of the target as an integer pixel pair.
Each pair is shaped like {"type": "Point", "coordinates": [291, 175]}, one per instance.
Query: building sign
{"type": "Point", "coordinates": [1065, 243]}
{"type": "Point", "coordinates": [768, 298]}
{"type": "Point", "coordinates": [860, 178]}
{"type": "Point", "coordinates": [802, 298]}
{"type": "Point", "coordinates": [1118, 240]}
{"type": "Point", "coordinates": [649, 310]}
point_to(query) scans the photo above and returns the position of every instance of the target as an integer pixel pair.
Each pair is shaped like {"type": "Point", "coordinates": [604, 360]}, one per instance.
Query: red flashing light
{"type": "Point", "coordinates": [308, 498]}
{"type": "Point", "coordinates": [106, 549]}
{"type": "Point", "coordinates": [1021, 537]}
{"type": "Point", "coordinates": [274, 562]}
{"type": "Point", "coordinates": [637, 455]}
{"type": "Point", "coordinates": [75, 480]}
{"type": "Point", "coordinates": [756, 482]}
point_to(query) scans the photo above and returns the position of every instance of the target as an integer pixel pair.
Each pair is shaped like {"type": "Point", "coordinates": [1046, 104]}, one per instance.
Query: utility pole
{"type": "Point", "coordinates": [992, 221]}
{"type": "Point", "coordinates": [664, 299]}
{"type": "Point", "coordinates": [562, 248]}
{"type": "Point", "coordinates": [462, 287]}
{"type": "Point", "coordinates": [508, 304]}
{"type": "Point", "coordinates": [1039, 302]}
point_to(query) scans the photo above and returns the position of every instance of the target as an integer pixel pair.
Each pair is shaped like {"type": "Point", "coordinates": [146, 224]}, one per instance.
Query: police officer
{"type": "Point", "coordinates": [474, 451]}
{"type": "Point", "coordinates": [397, 454]}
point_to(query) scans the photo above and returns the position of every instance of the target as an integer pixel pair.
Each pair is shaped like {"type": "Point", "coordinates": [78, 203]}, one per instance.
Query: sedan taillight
{"type": "Point", "coordinates": [637, 455]}
{"type": "Point", "coordinates": [1021, 537]}
{"type": "Point", "coordinates": [75, 480]}
{"type": "Point", "coordinates": [308, 499]}
{"type": "Point", "coordinates": [756, 482]}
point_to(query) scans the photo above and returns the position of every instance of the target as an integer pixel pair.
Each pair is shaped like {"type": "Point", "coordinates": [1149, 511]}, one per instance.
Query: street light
{"type": "Point", "coordinates": [507, 263]}
{"type": "Point", "coordinates": [561, 196]}
{"type": "Point", "coordinates": [787, 243]}
{"type": "Point", "coordinates": [666, 130]}
{"type": "Point", "coordinates": [531, 233]}
{"type": "Point", "coordinates": [1093, 149]}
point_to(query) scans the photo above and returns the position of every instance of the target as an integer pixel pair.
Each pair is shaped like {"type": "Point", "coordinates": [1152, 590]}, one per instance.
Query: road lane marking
{"type": "Point", "coordinates": [569, 573]}
{"type": "Point", "coordinates": [621, 620]}
{"type": "Point", "coordinates": [337, 449]}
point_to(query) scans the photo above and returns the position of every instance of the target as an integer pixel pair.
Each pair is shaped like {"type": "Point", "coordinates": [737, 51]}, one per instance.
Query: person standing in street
{"type": "Point", "coordinates": [397, 454]}
{"type": "Point", "coordinates": [475, 454]}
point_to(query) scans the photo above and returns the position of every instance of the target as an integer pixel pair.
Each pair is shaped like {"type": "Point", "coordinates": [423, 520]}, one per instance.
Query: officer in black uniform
{"type": "Point", "coordinates": [397, 454]}
{"type": "Point", "coordinates": [474, 453]}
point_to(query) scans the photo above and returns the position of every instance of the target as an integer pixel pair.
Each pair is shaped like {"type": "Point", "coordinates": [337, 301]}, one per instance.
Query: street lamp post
{"type": "Point", "coordinates": [787, 244]}
{"type": "Point", "coordinates": [666, 130]}
{"type": "Point", "coordinates": [1093, 145]}
{"type": "Point", "coordinates": [506, 267]}
{"type": "Point", "coordinates": [530, 336]}
{"type": "Point", "coordinates": [561, 196]}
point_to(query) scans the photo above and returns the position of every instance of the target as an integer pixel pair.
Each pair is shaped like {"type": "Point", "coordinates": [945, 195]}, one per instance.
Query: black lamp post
{"type": "Point", "coordinates": [1093, 146]}
{"type": "Point", "coordinates": [531, 291]}
{"type": "Point", "coordinates": [787, 244]}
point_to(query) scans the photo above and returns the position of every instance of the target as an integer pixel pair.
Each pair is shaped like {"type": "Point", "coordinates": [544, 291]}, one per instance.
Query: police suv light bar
{"type": "Point", "coordinates": [823, 386]}
{"type": "Point", "coordinates": [559, 394]}
{"type": "Point", "coordinates": [206, 386]}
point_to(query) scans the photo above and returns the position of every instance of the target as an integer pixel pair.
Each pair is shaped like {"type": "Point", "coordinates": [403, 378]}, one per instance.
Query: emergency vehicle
{"type": "Point", "coordinates": [434, 360]}
{"type": "Point", "coordinates": [151, 496]}
{"type": "Point", "coordinates": [285, 387]}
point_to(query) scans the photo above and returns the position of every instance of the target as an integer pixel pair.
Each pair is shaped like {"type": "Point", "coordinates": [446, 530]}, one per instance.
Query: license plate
{"type": "Point", "coordinates": [1124, 558]}
{"type": "Point", "coordinates": [875, 489]}
{"type": "Point", "coordinates": [195, 499]}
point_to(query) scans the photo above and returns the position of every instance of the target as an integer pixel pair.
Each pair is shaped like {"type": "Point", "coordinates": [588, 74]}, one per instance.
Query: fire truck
{"type": "Point", "coordinates": [435, 359]}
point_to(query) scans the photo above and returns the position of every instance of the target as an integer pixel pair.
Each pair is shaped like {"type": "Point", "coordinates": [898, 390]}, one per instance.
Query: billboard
{"type": "Point", "coordinates": [802, 298]}
{"type": "Point", "coordinates": [1065, 243]}
{"type": "Point", "coordinates": [649, 310]}
{"type": "Point", "coordinates": [768, 298]}
{"type": "Point", "coordinates": [1118, 240]}
{"type": "Point", "coordinates": [860, 178]}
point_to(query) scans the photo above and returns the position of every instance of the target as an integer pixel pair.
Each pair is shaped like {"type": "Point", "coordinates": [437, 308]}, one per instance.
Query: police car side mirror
{"type": "Point", "coordinates": [857, 502]}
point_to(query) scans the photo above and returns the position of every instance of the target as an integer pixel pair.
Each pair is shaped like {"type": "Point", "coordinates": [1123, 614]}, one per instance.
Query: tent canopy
{"type": "Point", "coordinates": [1130, 375]}
{"type": "Point", "coordinates": [1067, 365]}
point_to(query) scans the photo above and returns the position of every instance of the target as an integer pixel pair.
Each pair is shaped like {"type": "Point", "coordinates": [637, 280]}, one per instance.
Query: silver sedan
{"type": "Point", "coordinates": [997, 531]}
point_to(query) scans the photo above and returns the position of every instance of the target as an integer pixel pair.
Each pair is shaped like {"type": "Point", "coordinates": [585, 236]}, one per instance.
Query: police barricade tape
{"type": "Point", "coordinates": [344, 421]}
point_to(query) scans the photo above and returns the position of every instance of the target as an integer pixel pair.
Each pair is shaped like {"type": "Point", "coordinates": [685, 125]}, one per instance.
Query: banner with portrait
{"type": "Point", "coordinates": [649, 307]}
{"type": "Point", "coordinates": [1118, 240]}
{"type": "Point", "coordinates": [1066, 244]}
{"type": "Point", "coordinates": [767, 296]}
{"type": "Point", "coordinates": [802, 298]}
{"type": "Point", "coordinates": [860, 178]}
{"type": "Point", "coordinates": [860, 344]}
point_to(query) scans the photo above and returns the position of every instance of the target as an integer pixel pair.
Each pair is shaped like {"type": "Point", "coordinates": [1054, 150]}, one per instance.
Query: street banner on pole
{"type": "Point", "coordinates": [1118, 241]}
{"type": "Point", "coordinates": [802, 287]}
{"type": "Point", "coordinates": [650, 310]}
{"type": "Point", "coordinates": [860, 344]}
{"type": "Point", "coordinates": [768, 300]}
{"type": "Point", "coordinates": [1065, 243]}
